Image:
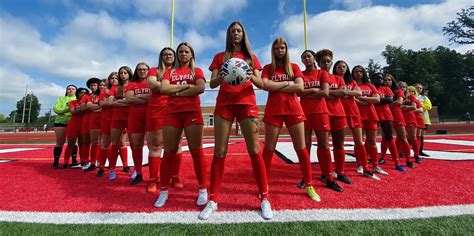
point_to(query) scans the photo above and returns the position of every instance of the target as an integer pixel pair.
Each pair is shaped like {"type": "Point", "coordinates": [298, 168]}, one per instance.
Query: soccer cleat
{"type": "Point", "coordinates": [360, 169]}
{"type": "Point", "coordinates": [75, 165]}
{"type": "Point", "coordinates": [418, 160]}
{"type": "Point", "coordinates": [379, 170]}
{"type": "Point", "coordinates": [134, 174]}
{"type": "Point", "coordinates": [266, 210]}
{"type": "Point", "coordinates": [371, 175]}
{"type": "Point", "coordinates": [424, 154]}
{"type": "Point", "coordinates": [410, 164]}
{"type": "Point", "coordinates": [86, 165]}
{"type": "Point", "coordinates": [302, 184]}
{"type": "Point", "coordinates": [126, 169]}
{"type": "Point", "coordinates": [334, 186]}
{"type": "Point", "coordinates": [323, 178]}
{"type": "Point", "coordinates": [55, 165]}
{"type": "Point", "coordinates": [202, 197]}
{"type": "Point", "coordinates": [312, 194]}
{"type": "Point", "coordinates": [136, 180]}
{"type": "Point", "coordinates": [112, 175]}
{"type": "Point", "coordinates": [152, 186]}
{"type": "Point", "coordinates": [100, 173]}
{"type": "Point", "coordinates": [210, 208]}
{"type": "Point", "coordinates": [90, 168]}
{"type": "Point", "coordinates": [400, 168]}
{"type": "Point", "coordinates": [176, 183]}
{"type": "Point", "coordinates": [382, 161]}
{"type": "Point", "coordinates": [344, 179]}
{"type": "Point", "coordinates": [161, 201]}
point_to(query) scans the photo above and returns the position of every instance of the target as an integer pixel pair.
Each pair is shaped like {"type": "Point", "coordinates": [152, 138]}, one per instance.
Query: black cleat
{"type": "Point", "coordinates": [343, 179]}
{"type": "Point", "coordinates": [410, 164]}
{"type": "Point", "coordinates": [334, 186]}
{"type": "Point", "coordinates": [424, 154]}
{"type": "Point", "coordinates": [418, 160]}
{"type": "Point", "coordinates": [302, 184]}
{"type": "Point", "coordinates": [100, 173]}
{"type": "Point", "coordinates": [382, 161]}
{"type": "Point", "coordinates": [137, 180]}
{"type": "Point", "coordinates": [90, 168]}
{"type": "Point", "coordinates": [324, 179]}
{"type": "Point", "coordinates": [55, 165]}
{"type": "Point", "coordinates": [126, 169]}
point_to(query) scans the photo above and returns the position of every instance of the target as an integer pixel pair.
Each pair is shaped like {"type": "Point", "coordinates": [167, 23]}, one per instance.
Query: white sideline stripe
{"type": "Point", "coordinates": [231, 217]}
{"type": "Point", "coordinates": [17, 150]}
{"type": "Point", "coordinates": [451, 141]}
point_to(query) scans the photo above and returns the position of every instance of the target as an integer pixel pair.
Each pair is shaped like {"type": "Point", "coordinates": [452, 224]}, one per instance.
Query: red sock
{"type": "Point", "coordinates": [340, 159]}
{"type": "Point", "coordinates": [104, 155]}
{"type": "Point", "coordinates": [94, 148]}
{"type": "Point", "coordinates": [81, 154]}
{"type": "Point", "coordinates": [200, 168]}
{"type": "Point", "coordinates": [305, 166]}
{"type": "Point", "coordinates": [416, 147]}
{"type": "Point", "coordinates": [399, 143]}
{"type": "Point", "coordinates": [113, 152]}
{"type": "Point", "coordinates": [383, 149]}
{"type": "Point", "coordinates": [154, 167]}
{"type": "Point", "coordinates": [267, 159]}
{"type": "Point", "coordinates": [86, 152]}
{"type": "Point", "coordinates": [176, 165]}
{"type": "Point", "coordinates": [67, 155]}
{"type": "Point", "coordinates": [361, 156]}
{"type": "Point", "coordinates": [393, 151]}
{"type": "Point", "coordinates": [137, 155]}
{"type": "Point", "coordinates": [258, 167]}
{"type": "Point", "coordinates": [165, 169]}
{"type": "Point", "coordinates": [406, 150]}
{"type": "Point", "coordinates": [325, 162]}
{"type": "Point", "coordinates": [217, 171]}
{"type": "Point", "coordinates": [373, 154]}
{"type": "Point", "coordinates": [124, 156]}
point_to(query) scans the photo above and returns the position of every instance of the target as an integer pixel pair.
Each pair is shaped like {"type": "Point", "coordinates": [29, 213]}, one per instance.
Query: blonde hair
{"type": "Point", "coordinates": [177, 63]}
{"type": "Point", "coordinates": [161, 68]}
{"type": "Point", "coordinates": [288, 69]}
{"type": "Point", "coordinates": [245, 45]}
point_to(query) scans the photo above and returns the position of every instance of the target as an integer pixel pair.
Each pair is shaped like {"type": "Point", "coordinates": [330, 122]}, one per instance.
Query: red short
{"type": "Point", "coordinates": [85, 128]}
{"type": "Point", "coordinates": [105, 125]}
{"type": "Point", "coordinates": [153, 124]}
{"type": "Point", "coordinates": [420, 123]}
{"type": "Point", "coordinates": [136, 122]}
{"type": "Point", "coordinates": [94, 122]}
{"type": "Point", "coordinates": [183, 119]}
{"type": "Point", "coordinates": [119, 124]}
{"type": "Point", "coordinates": [317, 122]}
{"type": "Point", "coordinates": [399, 123]}
{"type": "Point", "coordinates": [277, 120]}
{"type": "Point", "coordinates": [239, 112]}
{"type": "Point", "coordinates": [354, 122]}
{"type": "Point", "coordinates": [337, 122]}
{"type": "Point", "coordinates": [73, 130]}
{"type": "Point", "coordinates": [370, 124]}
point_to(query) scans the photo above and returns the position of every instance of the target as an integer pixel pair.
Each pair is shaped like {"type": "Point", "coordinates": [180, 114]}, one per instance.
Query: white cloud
{"type": "Point", "coordinates": [352, 4]}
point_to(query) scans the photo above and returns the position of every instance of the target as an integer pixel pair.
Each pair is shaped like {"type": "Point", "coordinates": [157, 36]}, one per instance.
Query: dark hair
{"type": "Point", "coordinates": [312, 53]}
{"type": "Point", "coordinates": [79, 90]}
{"type": "Point", "coordinates": [347, 76]}
{"type": "Point", "coordinates": [135, 74]}
{"type": "Point", "coordinates": [120, 82]}
{"type": "Point", "coordinates": [109, 85]}
{"type": "Point", "coordinates": [71, 85]}
{"type": "Point", "coordinates": [377, 79]}
{"type": "Point", "coordinates": [365, 77]}
{"type": "Point", "coordinates": [323, 53]}
{"type": "Point", "coordinates": [94, 81]}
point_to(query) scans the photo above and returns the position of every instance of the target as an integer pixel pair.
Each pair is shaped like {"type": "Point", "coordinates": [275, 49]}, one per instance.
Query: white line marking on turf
{"type": "Point", "coordinates": [231, 217]}
{"type": "Point", "coordinates": [17, 150]}
{"type": "Point", "coordinates": [451, 141]}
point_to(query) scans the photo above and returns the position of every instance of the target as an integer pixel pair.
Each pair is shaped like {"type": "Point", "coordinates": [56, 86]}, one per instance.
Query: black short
{"type": "Point", "coordinates": [60, 125]}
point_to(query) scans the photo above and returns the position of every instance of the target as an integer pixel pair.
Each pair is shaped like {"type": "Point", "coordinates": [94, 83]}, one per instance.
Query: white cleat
{"type": "Point", "coordinates": [266, 210]}
{"type": "Point", "coordinates": [87, 165]}
{"type": "Point", "coordinates": [360, 169]}
{"type": "Point", "coordinates": [371, 175]}
{"type": "Point", "coordinates": [210, 208]}
{"type": "Point", "coordinates": [202, 197]}
{"type": "Point", "coordinates": [379, 170]}
{"type": "Point", "coordinates": [161, 201]}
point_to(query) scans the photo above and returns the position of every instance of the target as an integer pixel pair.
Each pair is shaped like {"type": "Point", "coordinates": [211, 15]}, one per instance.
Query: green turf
{"type": "Point", "coordinates": [462, 225]}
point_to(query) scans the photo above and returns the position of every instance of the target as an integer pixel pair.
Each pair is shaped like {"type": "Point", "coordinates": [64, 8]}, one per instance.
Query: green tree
{"type": "Point", "coordinates": [373, 68]}
{"type": "Point", "coordinates": [3, 119]}
{"type": "Point", "coordinates": [29, 100]}
{"type": "Point", "coordinates": [461, 30]}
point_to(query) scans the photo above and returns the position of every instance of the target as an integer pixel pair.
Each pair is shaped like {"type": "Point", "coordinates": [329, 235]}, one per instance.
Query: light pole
{"type": "Point", "coordinates": [29, 110]}
{"type": "Point", "coordinates": [24, 105]}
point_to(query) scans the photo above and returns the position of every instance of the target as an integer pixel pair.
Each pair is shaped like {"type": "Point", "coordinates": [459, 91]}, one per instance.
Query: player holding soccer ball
{"type": "Point", "coordinates": [236, 102]}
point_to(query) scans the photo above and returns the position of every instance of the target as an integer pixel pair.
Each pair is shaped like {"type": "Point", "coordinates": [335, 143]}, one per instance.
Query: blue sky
{"type": "Point", "coordinates": [52, 43]}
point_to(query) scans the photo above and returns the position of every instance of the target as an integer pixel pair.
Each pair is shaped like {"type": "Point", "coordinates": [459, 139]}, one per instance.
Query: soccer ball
{"type": "Point", "coordinates": [236, 71]}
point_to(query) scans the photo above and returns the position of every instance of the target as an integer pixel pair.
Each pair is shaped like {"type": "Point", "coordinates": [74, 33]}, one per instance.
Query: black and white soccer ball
{"type": "Point", "coordinates": [235, 70]}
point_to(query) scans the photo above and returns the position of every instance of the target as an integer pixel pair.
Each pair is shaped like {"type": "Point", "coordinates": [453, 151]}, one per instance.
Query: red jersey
{"type": "Point", "coordinates": [396, 110]}
{"type": "Point", "coordinates": [279, 103]}
{"type": "Point", "coordinates": [119, 113]}
{"type": "Point", "coordinates": [335, 105]}
{"type": "Point", "coordinates": [409, 116]}
{"type": "Point", "coordinates": [314, 79]}
{"type": "Point", "coordinates": [383, 110]}
{"type": "Point", "coordinates": [157, 100]}
{"type": "Point", "coordinates": [138, 88]}
{"type": "Point", "coordinates": [76, 119]}
{"type": "Point", "coordinates": [419, 116]}
{"type": "Point", "coordinates": [106, 111]}
{"type": "Point", "coordinates": [235, 95]}
{"type": "Point", "coordinates": [183, 76]}
{"type": "Point", "coordinates": [349, 103]}
{"type": "Point", "coordinates": [367, 112]}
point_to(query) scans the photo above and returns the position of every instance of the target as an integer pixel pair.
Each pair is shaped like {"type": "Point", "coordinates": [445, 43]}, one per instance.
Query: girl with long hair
{"type": "Point", "coordinates": [411, 125]}
{"type": "Point", "coordinates": [94, 123]}
{"type": "Point", "coordinates": [93, 85]}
